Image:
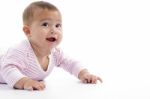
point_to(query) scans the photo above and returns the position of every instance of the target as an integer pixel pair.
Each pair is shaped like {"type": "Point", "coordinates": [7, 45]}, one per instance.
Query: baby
{"type": "Point", "coordinates": [27, 64]}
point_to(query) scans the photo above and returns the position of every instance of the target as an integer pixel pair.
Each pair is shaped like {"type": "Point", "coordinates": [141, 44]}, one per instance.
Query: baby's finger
{"type": "Point", "coordinates": [38, 87]}
{"type": "Point", "coordinates": [85, 81]}
{"type": "Point", "coordinates": [94, 80]}
{"type": "Point", "coordinates": [90, 78]}
{"type": "Point", "coordinates": [98, 78]}
{"type": "Point", "coordinates": [42, 85]}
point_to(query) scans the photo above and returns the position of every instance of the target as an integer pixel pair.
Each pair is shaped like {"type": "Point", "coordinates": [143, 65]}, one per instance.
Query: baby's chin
{"type": "Point", "coordinates": [53, 43]}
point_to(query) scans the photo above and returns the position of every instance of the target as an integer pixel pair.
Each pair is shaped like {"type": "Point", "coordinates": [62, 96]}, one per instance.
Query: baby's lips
{"type": "Point", "coordinates": [51, 39]}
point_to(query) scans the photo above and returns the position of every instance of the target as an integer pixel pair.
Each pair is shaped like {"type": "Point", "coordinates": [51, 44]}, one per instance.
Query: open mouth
{"type": "Point", "coordinates": [51, 39]}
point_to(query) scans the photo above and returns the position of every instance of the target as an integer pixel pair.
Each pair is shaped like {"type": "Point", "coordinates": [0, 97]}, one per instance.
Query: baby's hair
{"type": "Point", "coordinates": [29, 11]}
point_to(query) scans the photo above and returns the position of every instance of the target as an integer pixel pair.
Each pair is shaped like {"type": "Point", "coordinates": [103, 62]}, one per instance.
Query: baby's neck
{"type": "Point", "coordinates": [43, 58]}
{"type": "Point", "coordinates": [41, 52]}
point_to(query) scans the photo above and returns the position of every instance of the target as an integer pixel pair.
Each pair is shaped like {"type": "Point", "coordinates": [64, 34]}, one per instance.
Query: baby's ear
{"type": "Point", "coordinates": [26, 30]}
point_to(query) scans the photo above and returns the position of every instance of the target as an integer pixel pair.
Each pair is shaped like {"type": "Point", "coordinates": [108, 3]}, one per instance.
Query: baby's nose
{"type": "Point", "coordinates": [52, 31]}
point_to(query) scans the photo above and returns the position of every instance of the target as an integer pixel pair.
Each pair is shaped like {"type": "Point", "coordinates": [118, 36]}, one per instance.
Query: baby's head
{"type": "Point", "coordinates": [29, 12]}
{"type": "Point", "coordinates": [42, 24]}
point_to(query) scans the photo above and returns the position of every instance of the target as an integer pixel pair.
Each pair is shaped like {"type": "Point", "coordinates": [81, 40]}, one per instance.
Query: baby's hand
{"type": "Point", "coordinates": [86, 77]}
{"type": "Point", "coordinates": [33, 85]}
{"type": "Point", "coordinates": [29, 84]}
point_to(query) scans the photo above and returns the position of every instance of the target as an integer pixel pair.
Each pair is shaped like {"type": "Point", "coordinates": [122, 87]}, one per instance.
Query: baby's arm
{"type": "Point", "coordinates": [86, 77]}
{"type": "Point", "coordinates": [12, 66]}
{"type": "Point", "coordinates": [75, 68]}
{"type": "Point", "coordinates": [29, 84]}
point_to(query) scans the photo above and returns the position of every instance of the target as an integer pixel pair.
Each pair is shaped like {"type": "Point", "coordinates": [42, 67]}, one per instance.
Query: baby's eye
{"type": "Point", "coordinates": [58, 25]}
{"type": "Point", "coordinates": [45, 24]}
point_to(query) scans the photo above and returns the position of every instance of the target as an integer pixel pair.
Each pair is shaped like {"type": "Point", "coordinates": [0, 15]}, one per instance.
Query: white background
{"type": "Point", "coordinates": [111, 37]}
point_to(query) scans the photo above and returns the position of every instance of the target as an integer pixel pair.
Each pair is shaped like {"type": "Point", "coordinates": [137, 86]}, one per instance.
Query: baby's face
{"type": "Point", "coordinates": [46, 28]}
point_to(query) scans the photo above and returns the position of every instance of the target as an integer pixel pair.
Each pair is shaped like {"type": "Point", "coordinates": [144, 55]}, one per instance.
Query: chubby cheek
{"type": "Point", "coordinates": [60, 36]}
{"type": "Point", "coordinates": [40, 36]}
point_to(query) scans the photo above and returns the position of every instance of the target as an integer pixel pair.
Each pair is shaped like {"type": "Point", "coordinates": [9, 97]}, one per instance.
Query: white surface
{"type": "Point", "coordinates": [60, 85]}
{"type": "Point", "coordinates": [111, 37]}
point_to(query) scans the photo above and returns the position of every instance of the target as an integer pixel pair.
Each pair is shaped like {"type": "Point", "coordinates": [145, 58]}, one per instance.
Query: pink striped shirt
{"type": "Point", "coordinates": [20, 61]}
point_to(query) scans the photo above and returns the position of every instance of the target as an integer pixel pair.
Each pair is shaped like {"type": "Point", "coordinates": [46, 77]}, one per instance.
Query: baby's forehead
{"type": "Point", "coordinates": [43, 10]}
{"type": "Point", "coordinates": [46, 14]}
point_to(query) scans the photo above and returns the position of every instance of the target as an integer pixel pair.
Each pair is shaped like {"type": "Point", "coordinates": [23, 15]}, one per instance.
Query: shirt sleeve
{"type": "Point", "coordinates": [69, 64]}
{"type": "Point", "coordinates": [11, 67]}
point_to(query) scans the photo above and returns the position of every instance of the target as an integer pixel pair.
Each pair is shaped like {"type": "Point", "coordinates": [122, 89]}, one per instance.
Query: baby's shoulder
{"type": "Point", "coordinates": [19, 49]}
